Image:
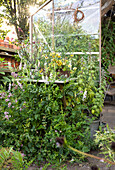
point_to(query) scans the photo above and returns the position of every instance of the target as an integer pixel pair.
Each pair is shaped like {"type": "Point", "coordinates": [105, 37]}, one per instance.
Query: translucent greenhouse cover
{"type": "Point", "coordinates": [56, 25]}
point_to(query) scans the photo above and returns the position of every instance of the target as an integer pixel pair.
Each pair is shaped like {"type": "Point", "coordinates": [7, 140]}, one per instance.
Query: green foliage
{"type": "Point", "coordinates": [108, 45]}
{"type": "Point", "coordinates": [1, 61]}
{"type": "Point", "coordinates": [69, 37]}
{"type": "Point", "coordinates": [104, 139]}
{"type": "Point", "coordinates": [10, 159]}
{"type": "Point", "coordinates": [3, 33]}
{"type": "Point", "coordinates": [32, 116]}
{"type": "Point", "coordinates": [17, 13]}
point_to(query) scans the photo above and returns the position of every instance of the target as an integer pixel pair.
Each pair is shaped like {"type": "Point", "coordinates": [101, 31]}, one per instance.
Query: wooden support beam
{"type": "Point", "coordinates": [106, 5]}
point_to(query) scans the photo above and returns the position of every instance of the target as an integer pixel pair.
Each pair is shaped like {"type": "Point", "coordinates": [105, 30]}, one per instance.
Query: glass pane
{"type": "Point", "coordinates": [69, 35]}
{"type": "Point", "coordinates": [69, 32]}
{"type": "Point", "coordinates": [66, 32]}
{"type": "Point", "coordinates": [42, 28]}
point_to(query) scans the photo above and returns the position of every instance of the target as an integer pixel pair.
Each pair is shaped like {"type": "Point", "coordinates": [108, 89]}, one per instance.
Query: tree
{"type": "Point", "coordinates": [17, 13]}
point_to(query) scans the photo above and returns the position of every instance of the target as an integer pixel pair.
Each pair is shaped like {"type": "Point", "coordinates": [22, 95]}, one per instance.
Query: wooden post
{"type": "Point", "coordinates": [64, 98]}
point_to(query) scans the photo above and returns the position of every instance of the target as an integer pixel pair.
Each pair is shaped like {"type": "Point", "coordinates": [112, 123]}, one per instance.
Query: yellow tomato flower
{"type": "Point", "coordinates": [71, 55]}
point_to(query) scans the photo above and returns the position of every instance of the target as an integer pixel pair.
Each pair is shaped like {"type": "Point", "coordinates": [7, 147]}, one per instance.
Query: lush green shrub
{"type": "Point", "coordinates": [33, 115]}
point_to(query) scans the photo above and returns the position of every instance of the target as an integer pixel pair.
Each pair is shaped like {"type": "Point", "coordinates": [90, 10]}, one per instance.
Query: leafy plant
{"type": "Point", "coordinates": [69, 37]}
{"type": "Point", "coordinates": [62, 141]}
{"type": "Point", "coordinates": [33, 116]}
{"type": "Point", "coordinates": [10, 159]}
{"type": "Point", "coordinates": [108, 45]}
{"type": "Point", "coordinates": [1, 61]}
{"type": "Point", "coordinates": [104, 139]}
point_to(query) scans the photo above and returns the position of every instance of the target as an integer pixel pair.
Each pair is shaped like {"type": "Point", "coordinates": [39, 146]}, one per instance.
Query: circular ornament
{"type": "Point", "coordinates": [76, 19]}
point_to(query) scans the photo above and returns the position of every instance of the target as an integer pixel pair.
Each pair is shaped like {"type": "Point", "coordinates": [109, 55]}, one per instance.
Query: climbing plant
{"type": "Point", "coordinates": [108, 44]}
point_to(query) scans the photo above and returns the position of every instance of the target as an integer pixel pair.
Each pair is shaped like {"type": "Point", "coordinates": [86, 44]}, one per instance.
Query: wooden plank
{"type": "Point", "coordinates": [46, 81]}
{"type": "Point", "coordinates": [8, 49]}
{"type": "Point", "coordinates": [2, 54]}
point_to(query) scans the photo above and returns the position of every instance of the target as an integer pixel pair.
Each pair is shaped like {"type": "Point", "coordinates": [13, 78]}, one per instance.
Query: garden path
{"type": "Point", "coordinates": [108, 113]}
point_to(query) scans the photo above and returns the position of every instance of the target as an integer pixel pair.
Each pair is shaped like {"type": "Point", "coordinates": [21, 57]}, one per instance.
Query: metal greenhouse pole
{"type": "Point", "coordinates": [31, 36]}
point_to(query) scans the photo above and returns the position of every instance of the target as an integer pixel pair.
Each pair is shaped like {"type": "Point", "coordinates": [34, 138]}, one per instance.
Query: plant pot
{"type": "Point", "coordinates": [94, 126]}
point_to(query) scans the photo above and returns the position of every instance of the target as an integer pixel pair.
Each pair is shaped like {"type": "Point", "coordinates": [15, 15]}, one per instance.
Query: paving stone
{"type": "Point", "coordinates": [111, 111]}
{"type": "Point", "coordinates": [109, 115]}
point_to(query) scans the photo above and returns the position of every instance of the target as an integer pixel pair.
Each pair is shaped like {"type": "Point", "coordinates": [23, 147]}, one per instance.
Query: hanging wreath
{"type": "Point", "coordinates": [76, 19]}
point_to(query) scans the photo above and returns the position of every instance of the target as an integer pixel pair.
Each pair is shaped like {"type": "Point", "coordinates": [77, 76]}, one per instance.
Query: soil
{"type": "Point", "coordinates": [80, 166]}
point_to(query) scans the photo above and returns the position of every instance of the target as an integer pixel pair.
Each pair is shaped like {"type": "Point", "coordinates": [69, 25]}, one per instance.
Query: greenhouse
{"type": "Point", "coordinates": [68, 28]}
